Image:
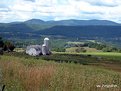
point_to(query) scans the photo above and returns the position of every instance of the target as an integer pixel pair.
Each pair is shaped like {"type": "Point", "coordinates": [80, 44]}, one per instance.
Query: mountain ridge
{"type": "Point", "coordinates": [73, 22]}
{"type": "Point", "coordinates": [34, 28]}
{"type": "Point", "coordinates": [38, 24]}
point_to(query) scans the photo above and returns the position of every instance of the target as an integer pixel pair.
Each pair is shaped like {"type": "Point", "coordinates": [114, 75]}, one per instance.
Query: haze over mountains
{"type": "Point", "coordinates": [68, 28]}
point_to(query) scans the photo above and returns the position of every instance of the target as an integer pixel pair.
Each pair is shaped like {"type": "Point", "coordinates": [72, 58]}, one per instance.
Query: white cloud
{"type": "Point", "coordinates": [19, 10]}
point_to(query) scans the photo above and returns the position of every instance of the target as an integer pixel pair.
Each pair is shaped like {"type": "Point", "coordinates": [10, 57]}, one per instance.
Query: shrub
{"type": "Point", "coordinates": [80, 49]}
{"type": "Point", "coordinates": [8, 46]}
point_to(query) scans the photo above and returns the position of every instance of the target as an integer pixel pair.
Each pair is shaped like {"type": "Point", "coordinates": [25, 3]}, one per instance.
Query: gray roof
{"type": "Point", "coordinates": [36, 47]}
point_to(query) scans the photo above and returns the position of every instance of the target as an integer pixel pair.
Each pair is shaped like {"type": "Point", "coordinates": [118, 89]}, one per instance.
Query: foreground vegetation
{"type": "Point", "coordinates": [35, 74]}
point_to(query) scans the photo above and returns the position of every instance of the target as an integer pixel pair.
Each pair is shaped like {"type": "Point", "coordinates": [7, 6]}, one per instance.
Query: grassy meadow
{"type": "Point", "coordinates": [73, 49]}
{"type": "Point", "coordinates": [37, 74]}
{"type": "Point", "coordinates": [108, 55]}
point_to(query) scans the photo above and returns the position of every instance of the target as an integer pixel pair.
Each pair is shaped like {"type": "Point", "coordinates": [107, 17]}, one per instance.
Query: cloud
{"type": "Point", "coordinates": [30, 0]}
{"type": "Point", "coordinates": [20, 10]}
{"type": "Point", "coordinates": [108, 3]}
{"type": "Point", "coordinates": [4, 10]}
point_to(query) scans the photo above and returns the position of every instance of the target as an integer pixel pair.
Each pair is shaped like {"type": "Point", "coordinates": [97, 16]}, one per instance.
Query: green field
{"type": "Point", "coordinates": [73, 49]}
{"type": "Point", "coordinates": [21, 72]}
{"type": "Point", "coordinates": [109, 55]}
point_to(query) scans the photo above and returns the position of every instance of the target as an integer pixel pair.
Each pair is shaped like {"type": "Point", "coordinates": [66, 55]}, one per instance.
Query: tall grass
{"type": "Point", "coordinates": [36, 78]}
{"type": "Point", "coordinates": [31, 78]}
{"type": "Point", "coordinates": [20, 74]}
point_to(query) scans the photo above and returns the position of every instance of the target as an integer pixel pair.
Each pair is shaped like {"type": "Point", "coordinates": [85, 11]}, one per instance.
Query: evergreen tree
{"type": "Point", "coordinates": [1, 42]}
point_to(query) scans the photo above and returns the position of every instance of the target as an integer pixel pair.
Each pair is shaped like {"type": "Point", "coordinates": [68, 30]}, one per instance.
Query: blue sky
{"type": "Point", "coordinates": [21, 10]}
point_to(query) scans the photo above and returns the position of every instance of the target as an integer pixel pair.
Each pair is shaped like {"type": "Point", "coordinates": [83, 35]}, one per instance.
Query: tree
{"type": "Point", "coordinates": [58, 49]}
{"type": "Point", "coordinates": [1, 51]}
{"type": "Point", "coordinates": [1, 42]}
{"type": "Point", "coordinates": [80, 49]}
{"type": "Point", "coordinates": [8, 46]}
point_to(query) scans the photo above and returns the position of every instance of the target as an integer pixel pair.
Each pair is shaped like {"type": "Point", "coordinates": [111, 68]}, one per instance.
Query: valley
{"type": "Point", "coordinates": [85, 56]}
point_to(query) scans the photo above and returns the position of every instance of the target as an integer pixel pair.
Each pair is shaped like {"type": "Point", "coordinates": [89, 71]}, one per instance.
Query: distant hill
{"type": "Point", "coordinates": [72, 22]}
{"type": "Point", "coordinates": [15, 27]}
{"type": "Point", "coordinates": [69, 28]}
{"type": "Point", "coordinates": [84, 22]}
{"type": "Point", "coordinates": [84, 31]}
{"type": "Point", "coordinates": [37, 24]}
{"type": "Point", "coordinates": [34, 21]}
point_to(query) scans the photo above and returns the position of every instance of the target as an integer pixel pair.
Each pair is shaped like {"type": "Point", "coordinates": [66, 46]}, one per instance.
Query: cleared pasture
{"type": "Point", "coordinates": [31, 74]}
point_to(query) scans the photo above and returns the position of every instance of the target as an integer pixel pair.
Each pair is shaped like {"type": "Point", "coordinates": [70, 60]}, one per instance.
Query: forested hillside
{"type": "Point", "coordinates": [83, 29]}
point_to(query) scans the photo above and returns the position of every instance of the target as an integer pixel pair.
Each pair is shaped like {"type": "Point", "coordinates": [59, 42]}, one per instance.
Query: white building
{"type": "Point", "coordinates": [36, 50]}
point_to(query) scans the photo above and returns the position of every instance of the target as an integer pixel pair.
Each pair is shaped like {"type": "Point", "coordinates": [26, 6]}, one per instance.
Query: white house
{"type": "Point", "coordinates": [36, 50]}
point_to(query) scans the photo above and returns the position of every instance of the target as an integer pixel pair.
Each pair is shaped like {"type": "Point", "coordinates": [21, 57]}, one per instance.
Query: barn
{"type": "Point", "coordinates": [36, 50]}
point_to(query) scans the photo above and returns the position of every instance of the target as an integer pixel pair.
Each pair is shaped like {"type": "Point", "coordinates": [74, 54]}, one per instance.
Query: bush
{"type": "Point", "coordinates": [8, 46]}
{"type": "Point", "coordinates": [1, 51]}
{"type": "Point", "coordinates": [110, 49]}
{"type": "Point", "coordinates": [59, 49]}
{"type": "Point", "coordinates": [1, 42]}
{"type": "Point", "coordinates": [80, 49]}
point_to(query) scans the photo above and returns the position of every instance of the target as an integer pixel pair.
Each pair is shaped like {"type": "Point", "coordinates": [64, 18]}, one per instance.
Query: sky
{"type": "Point", "coordinates": [22, 10]}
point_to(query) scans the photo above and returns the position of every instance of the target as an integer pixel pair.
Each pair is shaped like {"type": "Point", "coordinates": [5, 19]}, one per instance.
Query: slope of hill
{"type": "Point", "coordinates": [36, 24]}
{"type": "Point", "coordinates": [16, 27]}
{"type": "Point", "coordinates": [69, 28]}
{"type": "Point", "coordinates": [72, 22]}
{"type": "Point", "coordinates": [34, 21]}
{"type": "Point", "coordinates": [84, 31]}
{"type": "Point", "coordinates": [84, 22]}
